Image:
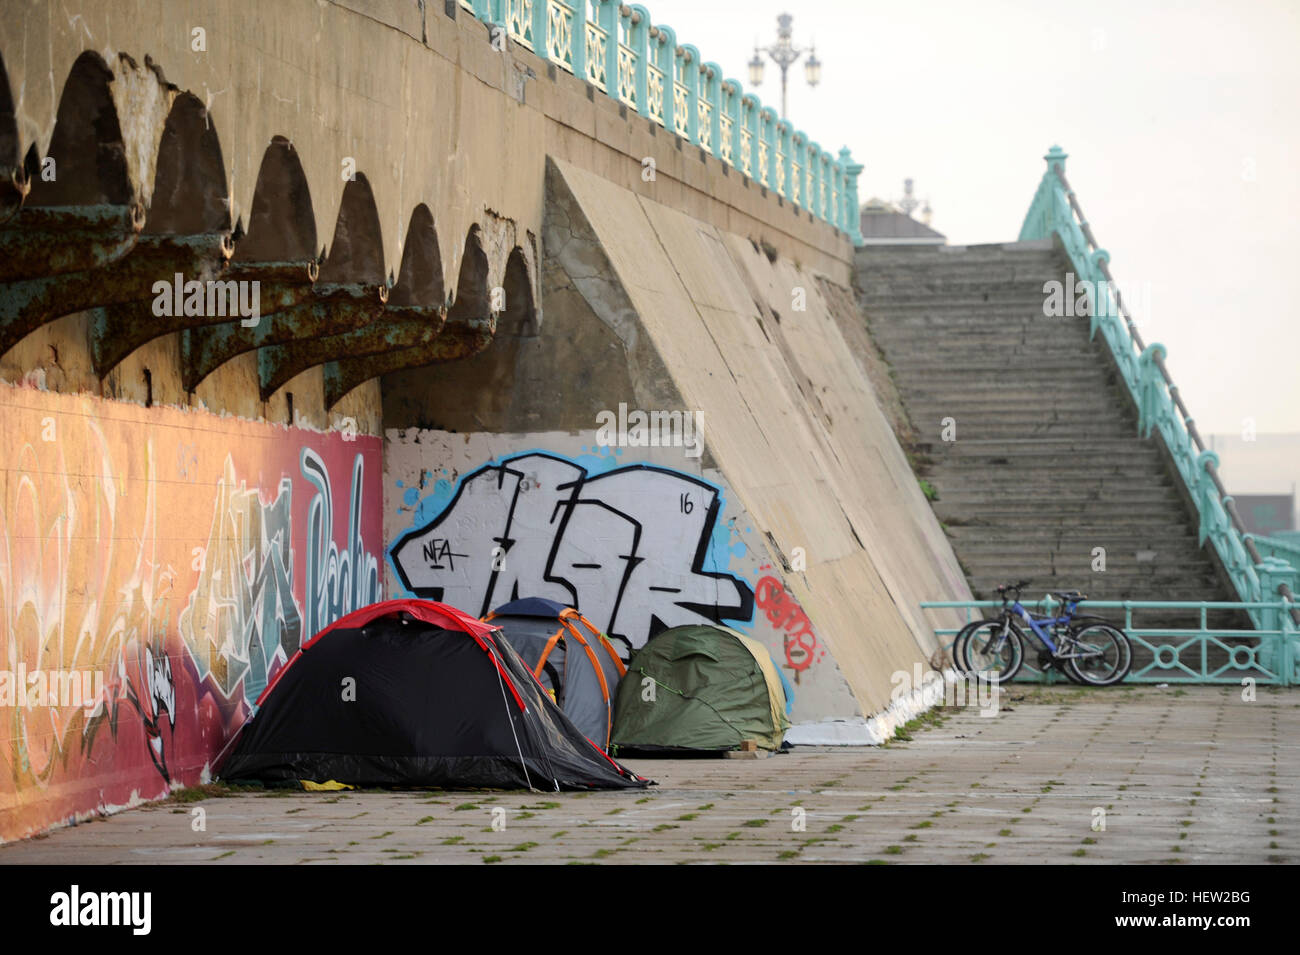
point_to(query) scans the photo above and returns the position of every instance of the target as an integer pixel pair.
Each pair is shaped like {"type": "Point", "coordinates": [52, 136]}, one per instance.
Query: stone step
{"type": "Point", "coordinates": [1005, 517]}
{"type": "Point", "coordinates": [1027, 337]}
{"type": "Point", "coordinates": [1065, 537]}
{"type": "Point", "coordinates": [975, 317]}
{"type": "Point", "coordinates": [1024, 302]}
{"type": "Point", "coordinates": [1046, 450]}
{"type": "Point", "coordinates": [988, 368]}
{"type": "Point", "coordinates": [1019, 404]}
{"type": "Point", "coordinates": [950, 393]}
{"type": "Point", "coordinates": [946, 388]}
{"type": "Point", "coordinates": [948, 480]}
{"type": "Point", "coordinates": [977, 385]}
{"type": "Point", "coordinates": [1011, 519]}
{"type": "Point", "coordinates": [1174, 572]}
{"type": "Point", "coordinates": [913, 373]}
{"type": "Point", "coordinates": [951, 289]}
{"type": "Point", "coordinates": [907, 303]}
{"type": "Point", "coordinates": [1002, 324]}
{"type": "Point", "coordinates": [1076, 402]}
{"type": "Point", "coordinates": [1025, 341]}
{"type": "Point", "coordinates": [997, 356]}
{"type": "Point", "coordinates": [1033, 563]}
{"type": "Point", "coordinates": [976, 427]}
{"type": "Point", "coordinates": [928, 416]}
{"type": "Point", "coordinates": [976, 430]}
{"type": "Point", "coordinates": [969, 499]}
{"type": "Point", "coordinates": [1051, 541]}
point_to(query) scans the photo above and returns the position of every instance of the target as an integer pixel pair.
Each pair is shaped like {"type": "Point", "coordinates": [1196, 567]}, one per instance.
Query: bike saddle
{"type": "Point", "coordinates": [1069, 596]}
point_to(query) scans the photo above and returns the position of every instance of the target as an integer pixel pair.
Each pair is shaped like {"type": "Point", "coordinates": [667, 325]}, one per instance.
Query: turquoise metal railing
{"type": "Point", "coordinates": [1055, 211]}
{"type": "Point", "coordinates": [616, 48]}
{"type": "Point", "coordinates": [1268, 654]}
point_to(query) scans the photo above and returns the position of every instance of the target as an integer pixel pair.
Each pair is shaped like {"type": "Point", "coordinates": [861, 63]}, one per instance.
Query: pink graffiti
{"type": "Point", "coordinates": [784, 612]}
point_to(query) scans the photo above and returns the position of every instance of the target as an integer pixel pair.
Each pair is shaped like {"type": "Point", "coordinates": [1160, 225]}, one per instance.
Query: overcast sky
{"type": "Point", "coordinates": [1181, 118]}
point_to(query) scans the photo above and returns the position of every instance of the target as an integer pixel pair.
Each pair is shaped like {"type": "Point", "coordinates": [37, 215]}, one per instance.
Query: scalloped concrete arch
{"type": "Point", "coordinates": [419, 281]}
{"type": "Point", "coordinates": [356, 253]}
{"type": "Point", "coordinates": [281, 222]}
{"type": "Point", "coordinates": [189, 190]}
{"type": "Point", "coordinates": [86, 145]}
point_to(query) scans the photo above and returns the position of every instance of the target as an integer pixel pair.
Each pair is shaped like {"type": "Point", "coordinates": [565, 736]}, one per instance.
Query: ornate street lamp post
{"type": "Point", "coordinates": [784, 54]}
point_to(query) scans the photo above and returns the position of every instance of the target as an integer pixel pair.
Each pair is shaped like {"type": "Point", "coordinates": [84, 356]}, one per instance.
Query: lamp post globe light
{"type": "Point", "coordinates": [785, 54]}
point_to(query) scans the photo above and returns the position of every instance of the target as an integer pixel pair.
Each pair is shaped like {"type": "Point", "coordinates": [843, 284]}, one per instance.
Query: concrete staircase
{"type": "Point", "coordinates": [1047, 464]}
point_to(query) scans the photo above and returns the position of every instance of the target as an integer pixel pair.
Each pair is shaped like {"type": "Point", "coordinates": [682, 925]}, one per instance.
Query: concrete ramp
{"type": "Point", "coordinates": [814, 508]}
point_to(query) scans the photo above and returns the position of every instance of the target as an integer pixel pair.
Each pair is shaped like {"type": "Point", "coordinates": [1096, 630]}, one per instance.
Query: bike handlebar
{"type": "Point", "coordinates": [1018, 586]}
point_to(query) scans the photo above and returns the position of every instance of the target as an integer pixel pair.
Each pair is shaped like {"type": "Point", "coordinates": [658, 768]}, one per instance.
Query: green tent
{"type": "Point", "coordinates": [699, 689]}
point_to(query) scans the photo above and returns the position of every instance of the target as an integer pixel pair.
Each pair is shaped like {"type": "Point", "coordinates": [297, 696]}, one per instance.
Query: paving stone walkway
{"type": "Point", "coordinates": [1177, 776]}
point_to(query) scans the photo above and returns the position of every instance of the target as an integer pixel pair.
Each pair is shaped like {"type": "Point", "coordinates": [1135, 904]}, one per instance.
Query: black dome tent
{"type": "Point", "coordinates": [415, 693]}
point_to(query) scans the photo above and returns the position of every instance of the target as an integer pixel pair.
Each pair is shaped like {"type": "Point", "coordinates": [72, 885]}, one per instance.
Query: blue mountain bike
{"type": "Point", "coordinates": [1086, 649]}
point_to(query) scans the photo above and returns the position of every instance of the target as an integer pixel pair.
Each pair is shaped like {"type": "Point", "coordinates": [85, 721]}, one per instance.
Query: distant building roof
{"type": "Point", "coordinates": [883, 224]}
{"type": "Point", "coordinates": [1266, 513]}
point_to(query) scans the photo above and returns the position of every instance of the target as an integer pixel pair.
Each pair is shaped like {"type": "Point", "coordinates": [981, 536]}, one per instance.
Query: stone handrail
{"type": "Point", "coordinates": [615, 47]}
{"type": "Point", "coordinates": [1055, 210]}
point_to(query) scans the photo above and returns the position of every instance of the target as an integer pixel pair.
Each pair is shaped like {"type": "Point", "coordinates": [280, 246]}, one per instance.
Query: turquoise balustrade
{"type": "Point", "coordinates": [615, 47]}
{"type": "Point", "coordinates": [1055, 211]}
{"type": "Point", "coordinates": [1268, 654]}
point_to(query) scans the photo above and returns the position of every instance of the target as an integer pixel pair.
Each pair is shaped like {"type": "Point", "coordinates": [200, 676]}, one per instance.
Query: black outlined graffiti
{"type": "Point", "coordinates": [627, 547]}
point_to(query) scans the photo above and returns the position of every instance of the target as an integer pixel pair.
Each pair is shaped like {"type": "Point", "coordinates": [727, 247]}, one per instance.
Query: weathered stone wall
{"type": "Point", "coordinates": [416, 101]}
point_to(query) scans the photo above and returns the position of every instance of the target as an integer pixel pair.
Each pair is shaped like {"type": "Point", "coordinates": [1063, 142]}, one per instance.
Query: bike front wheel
{"type": "Point", "coordinates": [1101, 655]}
{"type": "Point", "coordinates": [994, 651]}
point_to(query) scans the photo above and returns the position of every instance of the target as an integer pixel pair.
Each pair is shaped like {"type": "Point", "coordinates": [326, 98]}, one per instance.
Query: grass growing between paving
{"type": "Point", "coordinates": [931, 719]}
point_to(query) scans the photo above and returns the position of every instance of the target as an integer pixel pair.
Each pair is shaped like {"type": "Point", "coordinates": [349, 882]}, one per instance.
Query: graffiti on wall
{"type": "Point", "coordinates": [75, 604]}
{"type": "Point", "coordinates": [241, 619]}
{"type": "Point", "coordinates": [628, 547]}
{"type": "Point", "coordinates": [788, 618]}
{"type": "Point", "coordinates": [176, 563]}
{"type": "Point", "coordinates": [337, 582]}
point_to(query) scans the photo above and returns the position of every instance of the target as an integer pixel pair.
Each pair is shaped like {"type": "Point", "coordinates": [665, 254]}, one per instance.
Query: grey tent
{"type": "Point", "coordinates": [570, 657]}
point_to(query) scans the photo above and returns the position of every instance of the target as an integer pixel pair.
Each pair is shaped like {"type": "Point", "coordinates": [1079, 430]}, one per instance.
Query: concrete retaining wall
{"type": "Point", "coordinates": [822, 518]}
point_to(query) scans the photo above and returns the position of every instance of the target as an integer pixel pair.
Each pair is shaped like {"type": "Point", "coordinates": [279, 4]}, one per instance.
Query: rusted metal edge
{"type": "Point", "coordinates": [459, 340]}
{"type": "Point", "coordinates": [401, 326]}
{"type": "Point", "coordinates": [331, 310]}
